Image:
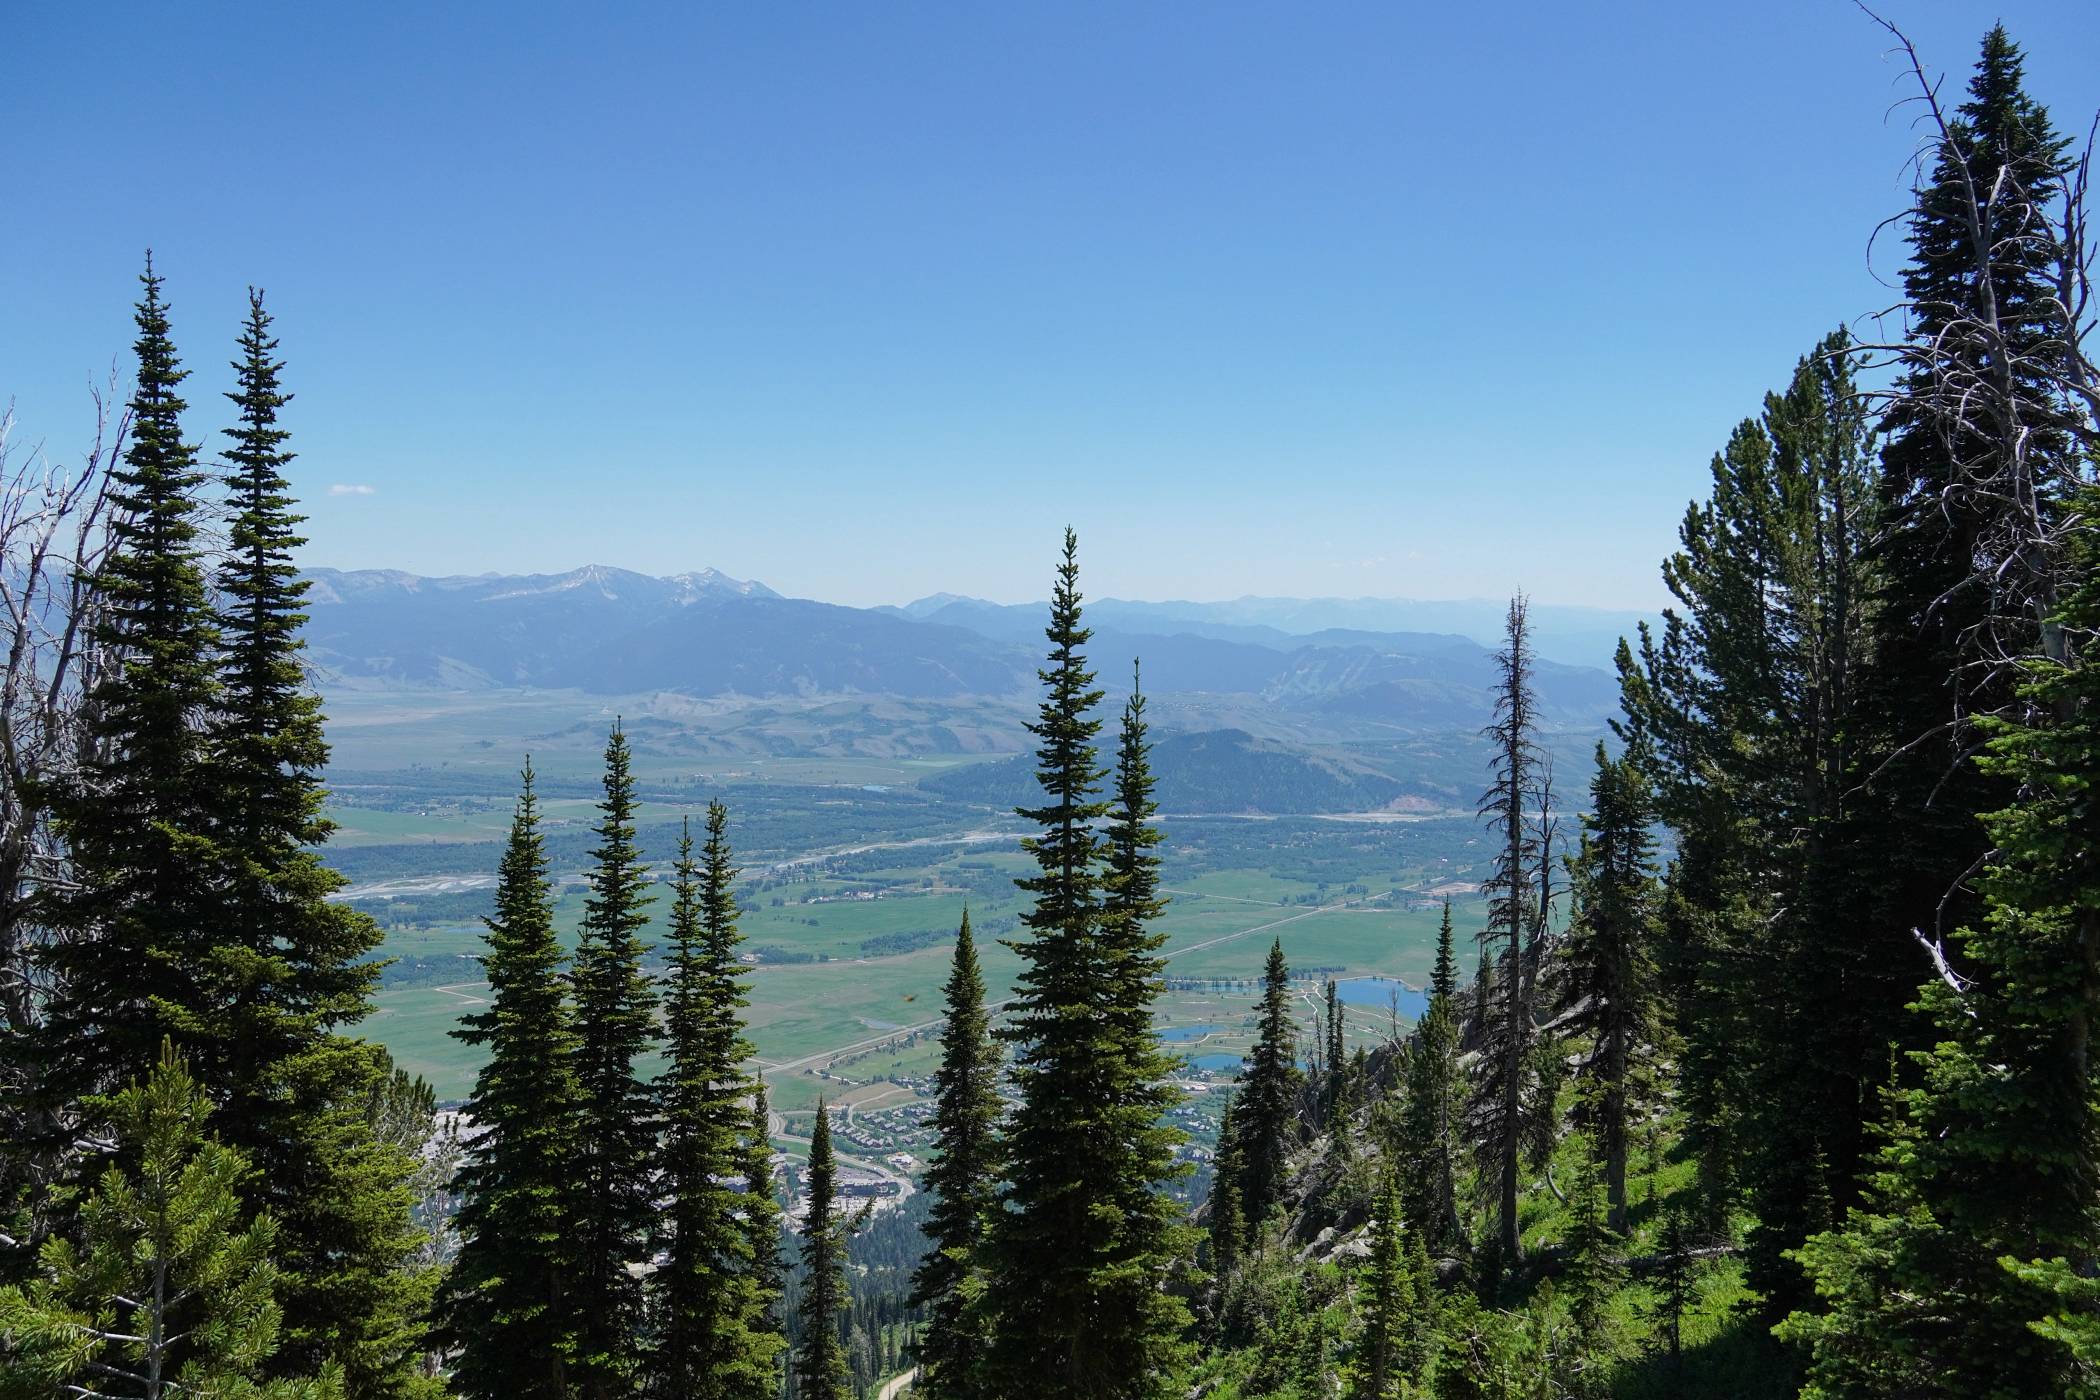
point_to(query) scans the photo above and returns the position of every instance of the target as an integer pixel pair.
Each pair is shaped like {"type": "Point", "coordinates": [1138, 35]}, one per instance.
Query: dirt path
{"type": "Point", "coordinates": [895, 1384]}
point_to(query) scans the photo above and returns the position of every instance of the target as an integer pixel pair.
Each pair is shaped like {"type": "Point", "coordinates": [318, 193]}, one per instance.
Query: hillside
{"type": "Point", "coordinates": [1214, 772]}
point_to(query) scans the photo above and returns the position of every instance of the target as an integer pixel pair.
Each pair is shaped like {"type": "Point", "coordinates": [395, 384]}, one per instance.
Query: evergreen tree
{"type": "Point", "coordinates": [712, 1338]}
{"type": "Point", "coordinates": [963, 1182]}
{"type": "Point", "coordinates": [1507, 1024]}
{"type": "Point", "coordinates": [1432, 1108]}
{"type": "Point", "coordinates": [762, 1227]}
{"type": "Point", "coordinates": [138, 962]}
{"type": "Point", "coordinates": [1336, 1097]}
{"type": "Point", "coordinates": [1228, 1222]}
{"type": "Point", "coordinates": [1381, 1369]}
{"type": "Point", "coordinates": [1151, 1239]}
{"type": "Point", "coordinates": [1607, 964]}
{"type": "Point", "coordinates": [169, 1292]}
{"type": "Point", "coordinates": [1747, 719]}
{"type": "Point", "coordinates": [1267, 1096]}
{"type": "Point", "coordinates": [615, 1145]}
{"type": "Point", "coordinates": [1991, 1162]}
{"type": "Point", "coordinates": [1593, 1269]}
{"type": "Point", "coordinates": [820, 1358]}
{"type": "Point", "coordinates": [510, 1304]}
{"type": "Point", "coordinates": [1077, 1225]}
{"type": "Point", "coordinates": [294, 961]}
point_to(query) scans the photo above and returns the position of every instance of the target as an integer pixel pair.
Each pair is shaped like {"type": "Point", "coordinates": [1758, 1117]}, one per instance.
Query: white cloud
{"type": "Point", "coordinates": [341, 490]}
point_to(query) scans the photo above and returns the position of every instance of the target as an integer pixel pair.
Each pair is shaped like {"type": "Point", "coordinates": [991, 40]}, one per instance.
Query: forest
{"type": "Point", "coordinates": [1762, 1068]}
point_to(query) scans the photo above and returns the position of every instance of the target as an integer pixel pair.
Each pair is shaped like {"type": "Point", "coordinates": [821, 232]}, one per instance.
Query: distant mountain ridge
{"type": "Point", "coordinates": [605, 630]}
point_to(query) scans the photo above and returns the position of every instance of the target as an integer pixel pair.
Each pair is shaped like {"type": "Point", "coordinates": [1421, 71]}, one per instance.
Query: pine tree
{"type": "Point", "coordinates": [963, 1183]}
{"type": "Point", "coordinates": [1228, 1222]}
{"type": "Point", "coordinates": [294, 1093]}
{"type": "Point", "coordinates": [820, 1358]}
{"type": "Point", "coordinates": [610, 1205]}
{"type": "Point", "coordinates": [170, 1291]}
{"type": "Point", "coordinates": [1336, 1097]}
{"type": "Point", "coordinates": [509, 1303]}
{"type": "Point", "coordinates": [1068, 1234]}
{"type": "Point", "coordinates": [1430, 1117]}
{"type": "Point", "coordinates": [1593, 1268]}
{"type": "Point", "coordinates": [1381, 1369]}
{"type": "Point", "coordinates": [762, 1228]}
{"type": "Point", "coordinates": [138, 964]}
{"type": "Point", "coordinates": [711, 1337]}
{"type": "Point", "coordinates": [1507, 1023]}
{"type": "Point", "coordinates": [1142, 1314]}
{"type": "Point", "coordinates": [1607, 963]}
{"type": "Point", "coordinates": [1992, 1160]}
{"type": "Point", "coordinates": [1267, 1096]}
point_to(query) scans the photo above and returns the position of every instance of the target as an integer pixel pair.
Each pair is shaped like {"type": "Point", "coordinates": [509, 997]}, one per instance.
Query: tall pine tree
{"type": "Point", "coordinates": [1268, 1097]}
{"type": "Point", "coordinates": [1433, 1108]}
{"type": "Point", "coordinates": [1607, 964]}
{"type": "Point", "coordinates": [820, 1358]}
{"type": "Point", "coordinates": [963, 1182]}
{"type": "Point", "coordinates": [137, 963]}
{"type": "Point", "coordinates": [610, 1206]}
{"type": "Point", "coordinates": [510, 1306]}
{"type": "Point", "coordinates": [712, 1336]}
{"type": "Point", "coordinates": [293, 962]}
{"type": "Point", "coordinates": [1073, 1234]}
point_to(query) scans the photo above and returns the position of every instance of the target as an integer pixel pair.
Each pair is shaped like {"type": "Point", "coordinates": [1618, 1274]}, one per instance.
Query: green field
{"type": "Point", "coordinates": [854, 880]}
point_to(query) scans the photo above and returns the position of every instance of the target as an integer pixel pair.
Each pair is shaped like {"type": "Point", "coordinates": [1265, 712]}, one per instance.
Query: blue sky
{"type": "Point", "coordinates": [868, 299]}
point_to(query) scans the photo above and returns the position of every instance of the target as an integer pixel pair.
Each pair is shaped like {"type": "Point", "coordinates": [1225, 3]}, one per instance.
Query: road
{"type": "Point", "coordinates": [895, 1384]}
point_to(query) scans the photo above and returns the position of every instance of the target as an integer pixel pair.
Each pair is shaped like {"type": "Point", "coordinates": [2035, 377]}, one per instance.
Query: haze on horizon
{"type": "Point", "coordinates": [866, 305]}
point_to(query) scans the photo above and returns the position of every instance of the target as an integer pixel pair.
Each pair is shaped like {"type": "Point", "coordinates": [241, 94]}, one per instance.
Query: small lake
{"type": "Point", "coordinates": [1378, 992]}
{"type": "Point", "coordinates": [1216, 1062]}
{"type": "Point", "coordinates": [1174, 1035]}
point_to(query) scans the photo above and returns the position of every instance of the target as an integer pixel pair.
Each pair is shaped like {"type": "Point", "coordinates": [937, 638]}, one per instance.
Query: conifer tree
{"type": "Point", "coordinates": [762, 1227]}
{"type": "Point", "coordinates": [510, 1303]}
{"type": "Point", "coordinates": [615, 1146]}
{"type": "Point", "coordinates": [1593, 1267]}
{"type": "Point", "coordinates": [712, 1338]}
{"type": "Point", "coordinates": [1991, 1163]}
{"type": "Point", "coordinates": [1068, 1234]}
{"type": "Point", "coordinates": [1141, 1148]}
{"type": "Point", "coordinates": [1381, 1370]}
{"type": "Point", "coordinates": [1430, 1118]}
{"type": "Point", "coordinates": [820, 1358]}
{"type": "Point", "coordinates": [137, 965]}
{"type": "Point", "coordinates": [169, 1291]}
{"type": "Point", "coordinates": [1336, 1098]}
{"type": "Point", "coordinates": [1228, 1222]}
{"type": "Point", "coordinates": [963, 1183]}
{"type": "Point", "coordinates": [1507, 1022]}
{"type": "Point", "coordinates": [1267, 1096]}
{"type": "Point", "coordinates": [293, 962]}
{"type": "Point", "coordinates": [1607, 963]}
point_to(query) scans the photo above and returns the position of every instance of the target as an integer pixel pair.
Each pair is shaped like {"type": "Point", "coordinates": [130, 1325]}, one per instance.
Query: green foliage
{"type": "Point", "coordinates": [510, 1303]}
{"type": "Point", "coordinates": [169, 1290]}
{"type": "Point", "coordinates": [712, 1335]}
{"type": "Point", "coordinates": [293, 1094]}
{"type": "Point", "coordinates": [1082, 1220]}
{"type": "Point", "coordinates": [820, 1358]}
{"type": "Point", "coordinates": [612, 1157]}
{"type": "Point", "coordinates": [964, 1183]}
{"type": "Point", "coordinates": [1267, 1118]}
{"type": "Point", "coordinates": [1606, 972]}
{"type": "Point", "coordinates": [142, 958]}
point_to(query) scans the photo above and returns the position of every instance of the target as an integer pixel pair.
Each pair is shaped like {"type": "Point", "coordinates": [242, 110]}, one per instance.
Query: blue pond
{"type": "Point", "coordinates": [1378, 992]}
{"type": "Point", "coordinates": [1176, 1034]}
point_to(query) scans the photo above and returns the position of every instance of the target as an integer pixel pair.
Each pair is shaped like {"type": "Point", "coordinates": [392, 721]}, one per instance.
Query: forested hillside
{"type": "Point", "coordinates": [1762, 1065]}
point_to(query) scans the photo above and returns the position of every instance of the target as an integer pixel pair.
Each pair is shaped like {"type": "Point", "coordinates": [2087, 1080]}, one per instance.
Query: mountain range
{"type": "Point", "coordinates": [605, 630]}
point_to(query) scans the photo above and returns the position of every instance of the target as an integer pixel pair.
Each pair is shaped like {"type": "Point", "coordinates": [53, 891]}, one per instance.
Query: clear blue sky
{"type": "Point", "coordinates": [867, 299]}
